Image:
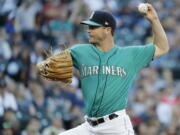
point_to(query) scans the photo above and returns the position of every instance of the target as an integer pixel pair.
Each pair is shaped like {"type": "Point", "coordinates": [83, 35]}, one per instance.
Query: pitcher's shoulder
{"type": "Point", "coordinates": [81, 46]}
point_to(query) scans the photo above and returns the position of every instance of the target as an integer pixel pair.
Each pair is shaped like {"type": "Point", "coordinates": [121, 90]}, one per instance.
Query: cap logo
{"type": "Point", "coordinates": [106, 23]}
{"type": "Point", "coordinates": [91, 15]}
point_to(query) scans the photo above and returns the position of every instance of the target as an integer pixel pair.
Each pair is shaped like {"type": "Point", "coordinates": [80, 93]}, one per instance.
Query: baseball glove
{"type": "Point", "coordinates": [58, 67]}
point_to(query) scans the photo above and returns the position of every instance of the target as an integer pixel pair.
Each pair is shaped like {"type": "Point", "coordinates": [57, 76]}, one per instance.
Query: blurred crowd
{"type": "Point", "coordinates": [30, 105]}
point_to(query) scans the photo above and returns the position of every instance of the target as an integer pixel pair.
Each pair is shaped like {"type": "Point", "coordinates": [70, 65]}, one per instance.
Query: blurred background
{"type": "Point", "coordinates": [30, 105]}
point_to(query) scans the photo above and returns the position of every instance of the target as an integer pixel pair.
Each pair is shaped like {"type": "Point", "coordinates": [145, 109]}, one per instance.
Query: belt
{"type": "Point", "coordinates": [101, 120]}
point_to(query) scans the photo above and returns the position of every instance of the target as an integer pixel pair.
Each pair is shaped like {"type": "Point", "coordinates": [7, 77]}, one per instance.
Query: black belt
{"type": "Point", "coordinates": [101, 120]}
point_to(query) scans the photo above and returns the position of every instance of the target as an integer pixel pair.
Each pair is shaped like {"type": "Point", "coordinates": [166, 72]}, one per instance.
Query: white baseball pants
{"type": "Point", "coordinates": [117, 126]}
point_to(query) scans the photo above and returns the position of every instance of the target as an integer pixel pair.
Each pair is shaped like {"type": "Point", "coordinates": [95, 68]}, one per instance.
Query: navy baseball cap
{"type": "Point", "coordinates": [101, 18]}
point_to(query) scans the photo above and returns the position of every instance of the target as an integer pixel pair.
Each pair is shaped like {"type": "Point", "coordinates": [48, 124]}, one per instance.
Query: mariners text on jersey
{"type": "Point", "coordinates": [106, 70]}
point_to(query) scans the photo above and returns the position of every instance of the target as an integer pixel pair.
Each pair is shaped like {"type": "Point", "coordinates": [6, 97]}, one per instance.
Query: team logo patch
{"type": "Point", "coordinates": [91, 16]}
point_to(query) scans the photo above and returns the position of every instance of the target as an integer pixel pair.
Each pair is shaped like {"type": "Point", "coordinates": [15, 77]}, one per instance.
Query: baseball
{"type": "Point", "coordinates": [142, 7]}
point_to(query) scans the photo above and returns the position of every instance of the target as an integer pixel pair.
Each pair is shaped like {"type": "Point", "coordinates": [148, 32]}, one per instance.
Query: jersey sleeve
{"type": "Point", "coordinates": [143, 55]}
{"type": "Point", "coordinates": [74, 53]}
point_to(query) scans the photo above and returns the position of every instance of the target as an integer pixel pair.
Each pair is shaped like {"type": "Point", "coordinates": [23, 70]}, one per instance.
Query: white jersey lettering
{"type": "Point", "coordinates": [106, 70]}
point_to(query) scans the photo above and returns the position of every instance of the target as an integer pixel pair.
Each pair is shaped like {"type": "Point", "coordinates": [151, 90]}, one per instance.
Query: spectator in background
{"type": "Point", "coordinates": [25, 19]}
{"type": "Point", "coordinates": [23, 102]}
{"type": "Point", "coordinates": [25, 16]}
{"type": "Point", "coordinates": [5, 49]}
{"type": "Point", "coordinates": [37, 55]}
{"type": "Point", "coordinates": [7, 99]}
{"type": "Point", "coordinates": [62, 26]}
{"type": "Point", "coordinates": [166, 105]}
{"type": "Point", "coordinates": [95, 5]}
{"type": "Point", "coordinates": [6, 129]}
{"type": "Point", "coordinates": [16, 38]}
{"type": "Point", "coordinates": [10, 118]}
{"type": "Point", "coordinates": [2, 87]}
{"type": "Point", "coordinates": [31, 130]}
{"type": "Point", "coordinates": [138, 106]}
{"type": "Point", "coordinates": [55, 128]}
{"type": "Point", "coordinates": [39, 106]}
{"type": "Point", "coordinates": [59, 103]}
{"type": "Point", "coordinates": [25, 61]}
{"type": "Point", "coordinates": [7, 6]}
{"type": "Point", "coordinates": [14, 64]}
{"type": "Point", "coordinates": [33, 127]}
{"type": "Point", "coordinates": [54, 9]}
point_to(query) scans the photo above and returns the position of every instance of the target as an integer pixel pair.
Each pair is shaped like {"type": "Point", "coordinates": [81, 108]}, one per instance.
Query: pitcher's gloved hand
{"type": "Point", "coordinates": [58, 67]}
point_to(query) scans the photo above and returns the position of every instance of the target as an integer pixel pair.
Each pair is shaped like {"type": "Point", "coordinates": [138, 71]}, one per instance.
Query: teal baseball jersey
{"type": "Point", "coordinates": [107, 76]}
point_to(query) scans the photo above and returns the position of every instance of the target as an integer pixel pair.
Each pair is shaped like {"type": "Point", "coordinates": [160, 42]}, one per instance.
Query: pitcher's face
{"type": "Point", "coordinates": [96, 34]}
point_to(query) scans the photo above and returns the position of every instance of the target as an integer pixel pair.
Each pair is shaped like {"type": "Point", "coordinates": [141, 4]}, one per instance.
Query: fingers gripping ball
{"type": "Point", "coordinates": [58, 67]}
{"type": "Point", "coordinates": [143, 8]}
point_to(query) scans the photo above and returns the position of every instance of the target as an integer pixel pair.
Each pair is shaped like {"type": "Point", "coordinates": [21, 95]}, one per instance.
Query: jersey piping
{"type": "Point", "coordinates": [98, 78]}
{"type": "Point", "coordinates": [105, 84]}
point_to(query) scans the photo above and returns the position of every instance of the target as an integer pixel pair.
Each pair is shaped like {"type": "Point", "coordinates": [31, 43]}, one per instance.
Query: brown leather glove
{"type": "Point", "coordinates": [58, 67]}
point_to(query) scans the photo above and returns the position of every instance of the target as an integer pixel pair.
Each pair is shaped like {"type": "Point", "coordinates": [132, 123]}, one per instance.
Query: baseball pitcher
{"type": "Point", "coordinates": [107, 72]}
